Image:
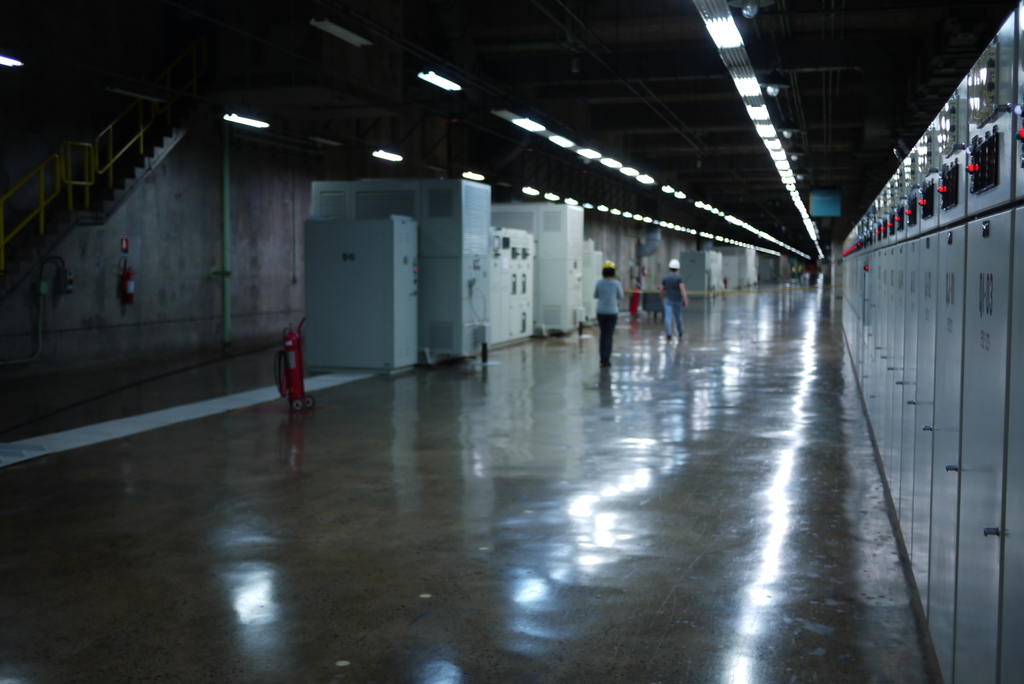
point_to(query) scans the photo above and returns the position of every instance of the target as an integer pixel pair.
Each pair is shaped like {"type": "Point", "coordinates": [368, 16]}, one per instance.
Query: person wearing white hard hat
{"type": "Point", "coordinates": [674, 299]}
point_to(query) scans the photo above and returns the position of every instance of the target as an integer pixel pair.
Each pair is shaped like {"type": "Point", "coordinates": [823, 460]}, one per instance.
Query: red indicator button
{"type": "Point", "coordinates": [866, 267]}
{"type": "Point", "coordinates": [922, 202]}
{"type": "Point", "coordinates": [943, 189]}
{"type": "Point", "coordinates": [907, 212]}
{"type": "Point", "coordinates": [899, 218]}
{"type": "Point", "coordinates": [972, 168]}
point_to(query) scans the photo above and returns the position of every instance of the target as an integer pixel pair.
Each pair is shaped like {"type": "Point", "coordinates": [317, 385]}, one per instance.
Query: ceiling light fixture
{"type": "Point", "coordinates": [562, 142]}
{"type": "Point", "coordinates": [679, 194]}
{"type": "Point", "coordinates": [533, 192]}
{"type": "Point", "coordinates": [645, 179]}
{"type": "Point", "coordinates": [724, 32]}
{"type": "Point", "coordinates": [629, 171]}
{"type": "Point", "coordinates": [10, 62]}
{"type": "Point", "coordinates": [338, 32]}
{"type": "Point", "coordinates": [611, 163]}
{"type": "Point", "coordinates": [668, 188]}
{"type": "Point", "coordinates": [571, 202]}
{"type": "Point", "coordinates": [439, 81]}
{"type": "Point", "coordinates": [616, 212]}
{"type": "Point", "coordinates": [255, 123]}
{"type": "Point", "coordinates": [473, 176]}
{"type": "Point", "coordinates": [551, 197]}
{"type": "Point", "coordinates": [588, 153]}
{"type": "Point", "coordinates": [602, 207]}
{"type": "Point", "coordinates": [529, 125]}
{"type": "Point", "coordinates": [387, 156]}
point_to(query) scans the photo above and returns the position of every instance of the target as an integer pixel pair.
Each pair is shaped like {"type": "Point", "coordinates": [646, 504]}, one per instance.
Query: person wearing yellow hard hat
{"type": "Point", "coordinates": [674, 299]}
{"type": "Point", "coordinates": [607, 292]}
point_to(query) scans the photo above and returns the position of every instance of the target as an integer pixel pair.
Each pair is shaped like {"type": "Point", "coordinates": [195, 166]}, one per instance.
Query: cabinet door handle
{"type": "Point", "coordinates": [990, 531]}
{"type": "Point", "coordinates": [911, 403]}
{"type": "Point", "coordinates": [952, 469]}
{"type": "Point", "coordinates": [927, 428]}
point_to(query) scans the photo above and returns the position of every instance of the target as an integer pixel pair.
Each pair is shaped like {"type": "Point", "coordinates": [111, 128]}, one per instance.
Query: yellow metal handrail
{"type": "Point", "coordinates": [146, 112]}
{"type": "Point", "coordinates": [40, 210]}
{"type": "Point", "coordinates": [192, 60]}
{"type": "Point", "coordinates": [88, 166]}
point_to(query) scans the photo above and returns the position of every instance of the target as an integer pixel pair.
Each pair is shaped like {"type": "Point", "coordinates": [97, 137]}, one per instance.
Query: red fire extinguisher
{"type": "Point", "coordinates": [127, 283]}
{"type": "Point", "coordinates": [290, 371]}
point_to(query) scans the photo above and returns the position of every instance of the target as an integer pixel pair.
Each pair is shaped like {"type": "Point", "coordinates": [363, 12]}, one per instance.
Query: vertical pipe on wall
{"type": "Point", "coordinates": [226, 232]}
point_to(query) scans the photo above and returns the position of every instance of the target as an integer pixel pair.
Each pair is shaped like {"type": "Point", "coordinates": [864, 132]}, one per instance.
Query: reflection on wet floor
{"type": "Point", "coordinates": [704, 510]}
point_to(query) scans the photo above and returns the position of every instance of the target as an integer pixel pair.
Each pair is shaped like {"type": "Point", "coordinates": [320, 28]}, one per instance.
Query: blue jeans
{"type": "Point", "coordinates": [607, 323]}
{"type": "Point", "coordinates": [673, 310]}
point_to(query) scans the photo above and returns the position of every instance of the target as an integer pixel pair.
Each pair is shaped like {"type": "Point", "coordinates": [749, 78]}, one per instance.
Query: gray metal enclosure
{"type": "Point", "coordinates": [361, 293]}
{"type": "Point", "coordinates": [936, 332]}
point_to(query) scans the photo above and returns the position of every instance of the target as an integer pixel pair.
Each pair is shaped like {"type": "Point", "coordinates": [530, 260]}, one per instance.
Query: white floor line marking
{"type": "Point", "coordinates": [16, 452]}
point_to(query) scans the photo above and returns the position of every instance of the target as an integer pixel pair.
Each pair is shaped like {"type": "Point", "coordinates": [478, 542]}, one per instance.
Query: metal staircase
{"type": "Point", "coordinates": [95, 177]}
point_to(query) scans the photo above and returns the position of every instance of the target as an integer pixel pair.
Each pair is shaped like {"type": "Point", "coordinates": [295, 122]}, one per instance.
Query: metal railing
{"type": "Point", "coordinates": [124, 133]}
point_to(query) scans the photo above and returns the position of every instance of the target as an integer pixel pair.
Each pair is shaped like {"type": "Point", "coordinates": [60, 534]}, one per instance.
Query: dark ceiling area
{"type": "Point", "coordinates": [638, 80]}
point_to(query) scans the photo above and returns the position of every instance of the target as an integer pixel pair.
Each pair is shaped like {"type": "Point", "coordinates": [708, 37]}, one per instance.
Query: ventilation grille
{"type": "Point", "coordinates": [381, 205]}
{"type": "Point", "coordinates": [440, 203]}
{"type": "Point", "coordinates": [476, 219]}
{"type": "Point", "coordinates": [517, 219]}
{"type": "Point", "coordinates": [441, 336]}
{"type": "Point", "coordinates": [332, 204]}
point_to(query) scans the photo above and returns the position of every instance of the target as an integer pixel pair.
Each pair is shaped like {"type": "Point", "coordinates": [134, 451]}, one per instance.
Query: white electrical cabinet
{"type": "Point", "coordinates": [512, 285]}
{"type": "Point", "coordinates": [361, 301]}
{"type": "Point", "coordinates": [701, 272]}
{"type": "Point", "coordinates": [558, 230]}
{"type": "Point", "coordinates": [739, 268]}
{"type": "Point", "coordinates": [454, 218]}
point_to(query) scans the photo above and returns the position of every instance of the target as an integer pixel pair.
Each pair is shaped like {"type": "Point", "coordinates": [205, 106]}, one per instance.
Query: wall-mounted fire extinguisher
{"type": "Point", "coordinates": [289, 370]}
{"type": "Point", "coordinates": [127, 284]}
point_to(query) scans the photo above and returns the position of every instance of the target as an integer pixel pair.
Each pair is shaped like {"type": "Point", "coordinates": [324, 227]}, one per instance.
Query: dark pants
{"type": "Point", "coordinates": [607, 323]}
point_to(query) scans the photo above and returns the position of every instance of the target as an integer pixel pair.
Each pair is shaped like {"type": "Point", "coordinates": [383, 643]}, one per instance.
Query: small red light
{"type": "Point", "coordinates": [889, 224]}
{"type": "Point", "coordinates": [866, 267]}
{"type": "Point", "coordinates": [972, 168]}
{"type": "Point", "coordinates": [907, 212]}
{"type": "Point", "coordinates": [415, 270]}
{"type": "Point", "coordinates": [922, 202]}
{"type": "Point", "coordinates": [898, 218]}
{"type": "Point", "coordinates": [942, 189]}
{"type": "Point", "coordinates": [1020, 134]}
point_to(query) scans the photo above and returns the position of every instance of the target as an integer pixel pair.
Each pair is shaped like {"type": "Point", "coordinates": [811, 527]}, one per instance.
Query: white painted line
{"type": "Point", "coordinates": [123, 427]}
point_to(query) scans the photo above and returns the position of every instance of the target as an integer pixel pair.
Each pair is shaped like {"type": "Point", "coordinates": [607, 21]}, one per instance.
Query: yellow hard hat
{"type": "Point", "coordinates": [609, 264]}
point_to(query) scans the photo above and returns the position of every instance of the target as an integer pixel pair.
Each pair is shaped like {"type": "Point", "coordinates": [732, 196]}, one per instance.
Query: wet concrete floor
{"type": "Point", "coordinates": [703, 511]}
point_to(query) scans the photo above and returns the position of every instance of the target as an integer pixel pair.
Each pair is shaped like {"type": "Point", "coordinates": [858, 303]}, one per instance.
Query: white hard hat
{"type": "Point", "coordinates": [674, 263]}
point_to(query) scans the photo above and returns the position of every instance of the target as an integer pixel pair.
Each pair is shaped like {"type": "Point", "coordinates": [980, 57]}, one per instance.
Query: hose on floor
{"type": "Point", "coordinates": [104, 395]}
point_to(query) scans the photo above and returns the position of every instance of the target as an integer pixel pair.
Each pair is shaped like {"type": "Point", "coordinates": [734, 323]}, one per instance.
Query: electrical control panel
{"type": "Point", "coordinates": [991, 86]}
{"type": "Point", "coordinates": [952, 138]}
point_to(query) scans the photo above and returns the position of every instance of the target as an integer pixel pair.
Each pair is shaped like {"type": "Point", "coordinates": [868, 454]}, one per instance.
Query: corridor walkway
{"type": "Point", "coordinates": [702, 511]}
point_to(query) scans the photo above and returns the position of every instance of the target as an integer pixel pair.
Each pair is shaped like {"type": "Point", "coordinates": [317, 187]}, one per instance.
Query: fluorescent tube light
{"type": "Point", "coordinates": [747, 86]}
{"type": "Point", "coordinates": [439, 81]}
{"type": "Point", "coordinates": [668, 188]}
{"type": "Point", "coordinates": [645, 179]}
{"type": "Point", "coordinates": [338, 32]}
{"type": "Point", "coordinates": [648, 219]}
{"type": "Point", "coordinates": [588, 205]}
{"type": "Point", "coordinates": [627, 214]}
{"type": "Point", "coordinates": [10, 62]}
{"type": "Point", "coordinates": [629, 171]}
{"type": "Point", "coordinates": [470, 175]}
{"type": "Point", "coordinates": [387, 156]}
{"type": "Point", "coordinates": [679, 194]}
{"type": "Point", "coordinates": [234, 118]}
{"type": "Point", "coordinates": [528, 124]}
{"type": "Point", "coordinates": [570, 201]}
{"type": "Point", "coordinates": [638, 217]}
{"type": "Point", "coordinates": [562, 142]}
{"type": "Point", "coordinates": [588, 153]}
{"type": "Point", "coordinates": [533, 192]}
{"type": "Point", "coordinates": [602, 207]}
{"type": "Point", "coordinates": [551, 197]}
{"type": "Point", "coordinates": [766, 130]}
{"type": "Point", "coordinates": [759, 113]}
{"type": "Point", "coordinates": [724, 33]}
{"type": "Point", "coordinates": [616, 212]}
{"type": "Point", "coordinates": [611, 163]}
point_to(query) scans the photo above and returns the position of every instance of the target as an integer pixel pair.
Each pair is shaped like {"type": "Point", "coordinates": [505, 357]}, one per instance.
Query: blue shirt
{"type": "Point", "coordinates": [608, 293]}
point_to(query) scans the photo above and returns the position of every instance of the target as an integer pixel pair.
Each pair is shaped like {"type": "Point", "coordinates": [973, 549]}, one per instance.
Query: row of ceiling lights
{"type": "Point", "coordinates": [722, 29]}
{"type": "Point", "coordinates": [552, 197]}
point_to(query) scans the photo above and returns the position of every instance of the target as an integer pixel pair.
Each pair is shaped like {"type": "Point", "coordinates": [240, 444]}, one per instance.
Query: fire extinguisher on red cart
{"type": "Point", "coordinates": [290, 371]}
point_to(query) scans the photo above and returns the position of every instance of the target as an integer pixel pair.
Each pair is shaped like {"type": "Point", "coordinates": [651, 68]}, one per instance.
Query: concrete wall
{"type": "Point", "coordinates": [173, 221]}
